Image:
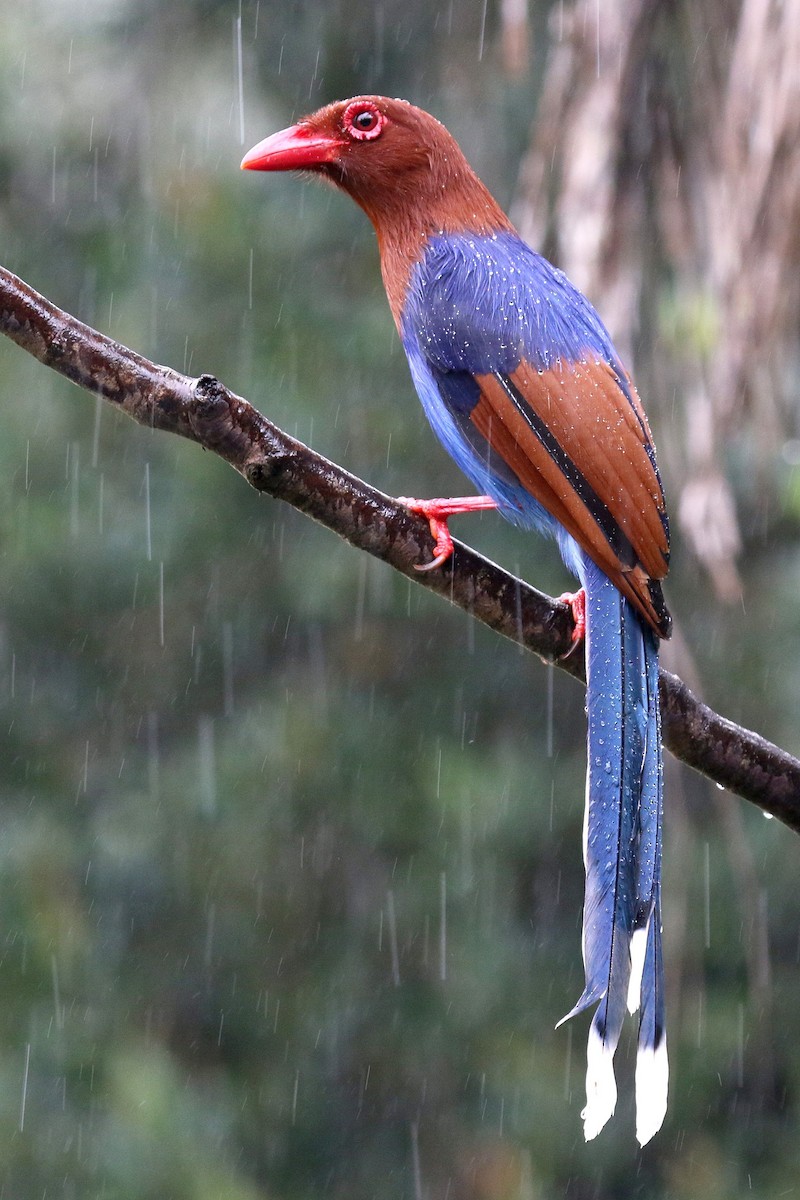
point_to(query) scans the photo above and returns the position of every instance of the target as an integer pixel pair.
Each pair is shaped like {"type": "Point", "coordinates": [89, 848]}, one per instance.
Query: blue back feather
{"type": "Point", "coordinates": [484, 303]}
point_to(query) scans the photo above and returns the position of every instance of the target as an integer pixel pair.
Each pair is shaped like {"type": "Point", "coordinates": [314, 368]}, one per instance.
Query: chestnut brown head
{"type": "Point", "coordinates": [391, 157]}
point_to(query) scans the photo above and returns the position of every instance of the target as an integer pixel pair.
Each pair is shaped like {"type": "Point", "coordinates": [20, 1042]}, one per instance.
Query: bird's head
{"type": "Point", "coordinates": [397, 161]}
{"type": "Point", "coordinates": [364, 145]}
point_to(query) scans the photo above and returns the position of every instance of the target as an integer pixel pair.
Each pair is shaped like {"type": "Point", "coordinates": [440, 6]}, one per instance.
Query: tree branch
{"type": "Point", "coordinates": [206, 412]}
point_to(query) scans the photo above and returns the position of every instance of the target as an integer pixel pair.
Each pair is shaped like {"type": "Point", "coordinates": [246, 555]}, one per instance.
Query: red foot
{"type": "Point", "coordinates": [577, 603]}
{"type": "Point", "coordinates": [437, 513]}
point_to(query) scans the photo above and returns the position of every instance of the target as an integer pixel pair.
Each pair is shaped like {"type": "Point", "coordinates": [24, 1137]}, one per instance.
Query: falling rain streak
{"type": "Point", "coordinates": [391, 921]}
{"type": "Point", "coordinates": [415, 1161]}
{"type": "Point", "coordinates": [237, 50]}
{"type": "Point", "coordinates": [482, 36]}
{"type": "Point", "coordinates": [24, 1100]}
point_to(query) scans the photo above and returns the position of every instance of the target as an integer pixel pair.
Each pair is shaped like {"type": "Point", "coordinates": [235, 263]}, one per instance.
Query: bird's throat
{"type": "Point", "coordinates": [406, 222]}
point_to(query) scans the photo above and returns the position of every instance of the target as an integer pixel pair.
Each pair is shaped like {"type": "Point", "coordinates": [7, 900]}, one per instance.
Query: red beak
{"type": "Point", "coordinates": [293, 149]}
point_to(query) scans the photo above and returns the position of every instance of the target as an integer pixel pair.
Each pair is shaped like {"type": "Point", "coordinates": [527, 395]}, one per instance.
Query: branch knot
{"type": "Point", "coordinates": [212, 399]}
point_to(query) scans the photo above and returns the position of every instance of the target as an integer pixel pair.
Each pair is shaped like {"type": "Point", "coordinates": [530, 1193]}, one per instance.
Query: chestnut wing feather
{"type": "Point", "coordinates": [577, 444]}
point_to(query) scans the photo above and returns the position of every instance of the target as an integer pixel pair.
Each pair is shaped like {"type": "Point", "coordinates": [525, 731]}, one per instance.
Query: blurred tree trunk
{"type": "Point", "coordinates": [664, 176]}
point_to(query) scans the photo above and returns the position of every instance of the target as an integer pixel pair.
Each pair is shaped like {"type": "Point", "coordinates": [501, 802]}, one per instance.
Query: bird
{"type": "Point", "coordinates": [521, 383]}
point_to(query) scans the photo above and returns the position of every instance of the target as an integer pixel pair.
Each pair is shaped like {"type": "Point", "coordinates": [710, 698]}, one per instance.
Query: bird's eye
{"type": "Point", "coordinates": [363, 121]}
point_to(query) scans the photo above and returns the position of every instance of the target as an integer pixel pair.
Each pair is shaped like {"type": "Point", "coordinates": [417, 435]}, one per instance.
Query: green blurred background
{"type": "Point", "coordinates": [290, 876]}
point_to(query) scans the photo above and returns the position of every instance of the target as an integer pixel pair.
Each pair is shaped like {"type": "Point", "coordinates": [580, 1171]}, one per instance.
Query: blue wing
{"type": "Point", "coordinates": [521, 383]}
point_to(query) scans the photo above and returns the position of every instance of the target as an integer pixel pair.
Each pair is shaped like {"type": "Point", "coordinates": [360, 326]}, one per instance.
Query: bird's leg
{"type": "Point", "coordinates": [577, 604]}
{"type": "Point", "coordinates": [438, 512]}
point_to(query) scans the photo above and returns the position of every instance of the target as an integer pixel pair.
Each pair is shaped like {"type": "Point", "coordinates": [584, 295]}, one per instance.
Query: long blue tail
{"type": "Point", "coordinates": [622, 854]}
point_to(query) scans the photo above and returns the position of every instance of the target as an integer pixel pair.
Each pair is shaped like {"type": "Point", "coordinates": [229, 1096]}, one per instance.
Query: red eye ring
{"type": "Point", "coordinates": [363, 121]}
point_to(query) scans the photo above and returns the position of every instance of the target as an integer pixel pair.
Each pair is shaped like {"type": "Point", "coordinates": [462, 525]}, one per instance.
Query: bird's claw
{"type": "Point", "coordinates": [577, 605]}
{"type": "Point", "coordinates": [443, 545]}
{"type": "Point", "coordinates": [443, 542]}
{"type": "Point", "coordinates": [437, 512]}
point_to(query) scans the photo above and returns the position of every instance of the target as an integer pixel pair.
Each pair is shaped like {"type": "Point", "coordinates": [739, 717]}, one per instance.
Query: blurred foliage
{"type": "Point", "coordinates": [290, 873]}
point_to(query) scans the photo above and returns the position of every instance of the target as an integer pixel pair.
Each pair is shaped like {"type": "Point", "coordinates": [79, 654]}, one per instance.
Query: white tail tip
{"type": "Point", "coordinates": [652, 1084]}
{"type": "Point", "coordinates": [638, 950]}
{"type": "Point", "coordinates": [601, 1086]}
